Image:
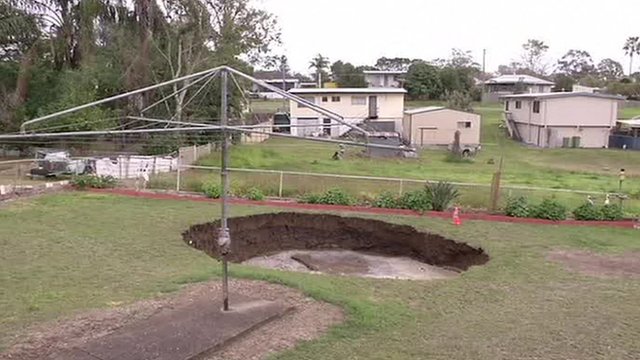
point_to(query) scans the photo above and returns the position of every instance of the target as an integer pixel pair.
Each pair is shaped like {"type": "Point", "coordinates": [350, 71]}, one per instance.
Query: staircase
{"type": "Point", "coordinates": [512, 127]}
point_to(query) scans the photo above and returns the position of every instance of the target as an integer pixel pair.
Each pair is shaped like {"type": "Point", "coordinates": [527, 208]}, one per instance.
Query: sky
{"type": "Point", "coordinates": [361, 31]}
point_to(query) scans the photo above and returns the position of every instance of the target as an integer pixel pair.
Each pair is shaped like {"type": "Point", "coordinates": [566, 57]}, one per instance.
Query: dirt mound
{"type": "Point", "coordinates": [265, 234]}
{"type": "Point", "coordinates": [625, 265]}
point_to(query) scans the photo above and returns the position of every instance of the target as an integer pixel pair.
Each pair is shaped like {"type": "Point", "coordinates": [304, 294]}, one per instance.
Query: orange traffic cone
{"type": "Point", "coordinates": [456, 217]}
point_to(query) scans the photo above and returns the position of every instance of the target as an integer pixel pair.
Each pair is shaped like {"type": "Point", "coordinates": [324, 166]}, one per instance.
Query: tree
{"type": "Point", "coordinates": [423, 81]}
{"type": "Point", "coordinates": [319, 63]}
{"type": "Point", "coordinates": [631, 48]}
{"type": "Point", "coordinates": [576, 64]}
{"type": "Point", "coordinates": [393, 64]}
{"type": "Point", "coordinates": [610, 70]}
{"type": "Point", "coordinates": [533, 56]}
{"type": "Point", "coordinates": [563, 82]}
{"type": "Point", "coordinates": [459, 100]}
{"type": "Point", "coordinates": [462, 59]}
{"type": "Point", "coordinates": [347, 76]}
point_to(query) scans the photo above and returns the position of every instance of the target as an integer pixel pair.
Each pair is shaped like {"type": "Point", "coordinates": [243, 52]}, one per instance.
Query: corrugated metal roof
{"type": "Point", "coordinates": [516, 78]}
{"type": "Point", "coordinates": [562, 95]}
{"type": "Point", "coordinates": [348, 91]}
{"type": "Point", "coordinates": [634, 123]}
{"type": "Point", "coordinates": [423, 110]}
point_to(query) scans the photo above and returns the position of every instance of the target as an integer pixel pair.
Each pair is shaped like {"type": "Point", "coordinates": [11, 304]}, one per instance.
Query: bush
{"type": "Point", "coordinates": [212, 190]}
{"type": "Point", "coordinates": [612, 212]}
{"type": "Point", "coordinates": [441, 195]}
{"type": "Point", "coordinates": [93, 181]}
{"type": "Point", "coordinates": [255, 194]}
{"type": "Point", "coordinates": [336, 197]}
{"type": "Point", "coordinates": [549, 209]}
{"type": "Point", "coordinates": [517, 207]}
{"type": "Point", "coordinates": [386, 200]}
{"type": "Point", "coordinates": [310, 198]}
{"type": "Point", "coordinates": [587, 212]}
{"type": "Point", "coordinates": [417, 200]}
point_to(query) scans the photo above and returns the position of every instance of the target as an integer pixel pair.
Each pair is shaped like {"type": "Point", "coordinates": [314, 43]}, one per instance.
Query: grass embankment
{"type": "Point", "coordinates": [64, 254]}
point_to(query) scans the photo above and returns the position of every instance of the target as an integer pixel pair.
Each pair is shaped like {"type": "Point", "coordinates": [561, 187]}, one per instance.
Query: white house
{"type": "Point", "coordinates": [384, 78]}
{"type": "Point", "coordinates": [503, 85]}
{"type": "Point", "coordinates": [355, 105]}
{"type": "Point", "coordinates": [564, 119]}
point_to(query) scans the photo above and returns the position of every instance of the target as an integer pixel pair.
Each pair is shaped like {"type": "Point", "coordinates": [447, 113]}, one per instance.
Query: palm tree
{"type": "Point", "coordinates": [632, 47]}
{"type": "Point", "coordinates": [319, 63]}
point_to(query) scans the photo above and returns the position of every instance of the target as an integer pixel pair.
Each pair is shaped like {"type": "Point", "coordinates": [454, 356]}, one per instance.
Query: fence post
{"type": "Point", "coordinates": [281, 183]}
{"type": "Point", "coordinates": [208, 148]}
{"type": "Point", "coordinates": [401, 187]}
{"type": "Point", "coordinates": [195, 153]}
{"type": "Point", "coordinates": [178, 176]}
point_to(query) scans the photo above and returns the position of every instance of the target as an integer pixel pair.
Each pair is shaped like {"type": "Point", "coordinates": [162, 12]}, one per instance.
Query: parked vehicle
{"type": "Point", "coordinates": [57, 163]}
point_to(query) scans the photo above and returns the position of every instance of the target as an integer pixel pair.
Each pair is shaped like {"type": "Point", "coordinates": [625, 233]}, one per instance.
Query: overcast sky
{"type": "Point", "coordinates": [360, 31]}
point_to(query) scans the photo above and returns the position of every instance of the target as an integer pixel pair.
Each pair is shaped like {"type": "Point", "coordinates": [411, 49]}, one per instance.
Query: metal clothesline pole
{"type": "Point", "coordinates": [224, 238]}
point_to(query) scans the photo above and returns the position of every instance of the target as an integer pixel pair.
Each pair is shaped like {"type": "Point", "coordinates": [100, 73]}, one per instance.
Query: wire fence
{"type": "Point", "coordinates": [294, 184]}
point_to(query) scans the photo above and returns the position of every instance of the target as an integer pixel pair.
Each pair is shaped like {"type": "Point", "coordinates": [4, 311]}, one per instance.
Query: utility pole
{"type": "Point", "coordinates": [224, 238]}
{"type": "Point", "coordinates": [484, 69]}
{"type": "Point", "coordinates": [283, 68]}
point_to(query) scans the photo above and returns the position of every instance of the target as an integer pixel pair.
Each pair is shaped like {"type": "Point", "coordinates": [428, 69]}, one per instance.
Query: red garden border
{"type": "Point", "coordinates": [628, 224]}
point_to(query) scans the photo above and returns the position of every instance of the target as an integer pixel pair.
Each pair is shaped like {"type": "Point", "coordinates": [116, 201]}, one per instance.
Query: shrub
{"type": "Point", "coordinates": [612, 212]}
{"type": "Point", "coordinates": [93, 181]}
{"type": "Point", "coordinates": [517, 207]}
{"type": "Point", "coordinates": [255, 194]}
{"type": "Point", "coordinates": [441, 195]}
{"type": "Point", "coordinates": [310, 198]}
{"type": "Point", "coordinates": [549, 209]}
{"type": "Point", "coordinates": [336, 196]}
{"type": "Point", "coordinates": [587, 212]}
{"type": "Point", "coordinates": [418, 200]}
{"type": "Point", "coordinates": [212, 190]}
{"type": "Point", "coordinates": [386, 200]}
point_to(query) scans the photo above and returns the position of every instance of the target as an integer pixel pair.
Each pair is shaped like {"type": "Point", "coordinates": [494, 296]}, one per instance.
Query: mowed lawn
{"type": "Point", "coordinates": [64, 254]}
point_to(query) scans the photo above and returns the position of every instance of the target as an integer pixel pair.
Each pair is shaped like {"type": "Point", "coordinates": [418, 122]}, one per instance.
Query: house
{"type": "Point", "coordinates": [503, 85]}
{"type": "Point", "coordinates": [355, 105]}
{"type": "Point", "coordinates": [626, 135]}
{"type": "Point", "coordinates": [384, 78]}
{"type": "Point", "coordinates": [582, 88]}
{"type": "Point", "coordinates": [436, 126]}
{"type": "Point", "coordinates": [286, 84]}
{"type": "Point", "coordinates": [565, 119]}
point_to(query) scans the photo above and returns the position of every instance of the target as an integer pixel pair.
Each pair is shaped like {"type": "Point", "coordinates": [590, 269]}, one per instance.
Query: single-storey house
{"type": "Point", "coordinates": [565, 119]}
{"type": "Point", "coordinates": [286, 84]}
{"type": "Point", "coordinates": [436, 126]}
{"type": "Point", "coordinates": [355, 105]}
{"type": "Point", "coordinates": [503, 85]}
{"type": "Point", "coordinates": [384, 78]}
{"type": "Point", "coordinates": [626, 135]}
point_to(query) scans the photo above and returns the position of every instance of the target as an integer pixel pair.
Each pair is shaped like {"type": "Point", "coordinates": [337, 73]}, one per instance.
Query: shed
{"type": "Point", "coordinates": [436, 126]}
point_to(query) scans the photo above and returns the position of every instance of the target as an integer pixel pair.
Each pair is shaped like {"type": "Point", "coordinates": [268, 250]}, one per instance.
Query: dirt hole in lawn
{"type": "Point", "coordinates": [338, 245]}
{"type": "Point", "coordinates": [599, 265]}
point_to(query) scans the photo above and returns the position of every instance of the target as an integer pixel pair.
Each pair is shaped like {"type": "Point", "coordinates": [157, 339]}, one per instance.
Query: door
{"type": "Point", "coordinates": [326, 127]}
{"type": "Point", "coordinates": [373, 107]}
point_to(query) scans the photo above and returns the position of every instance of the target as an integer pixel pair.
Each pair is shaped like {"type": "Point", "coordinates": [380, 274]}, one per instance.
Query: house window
{"type": "Point", "coordinates": [309, 99]}
{"type": "Point", "coordinates": [335, 99]}
{"type": "Point", "coordinates": [325, 99]}
{"type": "Point", "coordinates": [464, 124]}
{"type": "Point", "coordinates": [518, 104]}
{"type": "Point", "coordinates": [536, 107]}
{"type": "Point", "coordinates": [358, 100]}
{"type": "Point", "coordinates": [506, 106]}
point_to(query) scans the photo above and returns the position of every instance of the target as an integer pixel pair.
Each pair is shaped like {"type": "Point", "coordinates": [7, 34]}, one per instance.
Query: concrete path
{"type": "Point", "coordinates": [180, 333]}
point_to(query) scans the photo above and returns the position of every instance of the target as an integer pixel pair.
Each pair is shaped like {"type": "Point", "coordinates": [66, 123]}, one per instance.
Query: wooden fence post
{"type": "Point", "coordinates": [281, 184]}
{"type": "Point", "coordinates": [178, 176]}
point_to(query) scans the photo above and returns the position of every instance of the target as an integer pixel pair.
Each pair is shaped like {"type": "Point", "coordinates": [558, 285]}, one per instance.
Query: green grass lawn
{"type": "Point", "coordinates": [67, 253]}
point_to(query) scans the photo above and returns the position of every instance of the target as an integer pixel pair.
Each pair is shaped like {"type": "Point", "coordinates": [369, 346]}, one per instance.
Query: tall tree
{"type": "Point", "coordinates": [393, 64]}
{"type": "Point", "coordinates": [347, 76]}
{"type": "Point", "coordinates": [319, 64]}
{"type": "Point", "coordinates": [423, 81]}
{"type": "Point", "coordinates": [576, 64]}
{"type": "Point", "coordinates": [462, 59]}
{"type": "Point", "coordinates": [533, 57]}
{"type": "Point", "coordinates": [610, 70]}
{"type": "Point", "coordinates": [631, 48]}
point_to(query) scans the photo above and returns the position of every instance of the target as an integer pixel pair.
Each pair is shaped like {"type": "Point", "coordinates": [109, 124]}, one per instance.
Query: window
{"type": "Point", "coordinates": [309, 99]}
{"type": "Point", "coordinates": [536, 107]}
{"type": "Point", "coordinates": [518, 104]}
{"type": "Point", "coordinates": [358, 100]}
{"type": "Point", "coordinates": [464, 124]}
{"type": "Point", "coordinates": [325, 99]}
{"type": "Point", "coordinates": [506, 106]}
{"type": "Point", "coordinates": [335, 99]}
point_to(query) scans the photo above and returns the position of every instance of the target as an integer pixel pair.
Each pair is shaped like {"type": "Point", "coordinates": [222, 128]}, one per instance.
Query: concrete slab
{"type": "Point", "coordinates": [180, 333]}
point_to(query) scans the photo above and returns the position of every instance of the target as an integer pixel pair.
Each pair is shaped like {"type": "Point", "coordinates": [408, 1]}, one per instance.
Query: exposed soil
{"type": "Point", "coordinates": [268, 234]}
{"type": "Point", "coordinates": [309, 320]}
{"type": "Point", "coordinates": [347, 262]}
{"type": "Point", "coordinates": [625, 265]}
